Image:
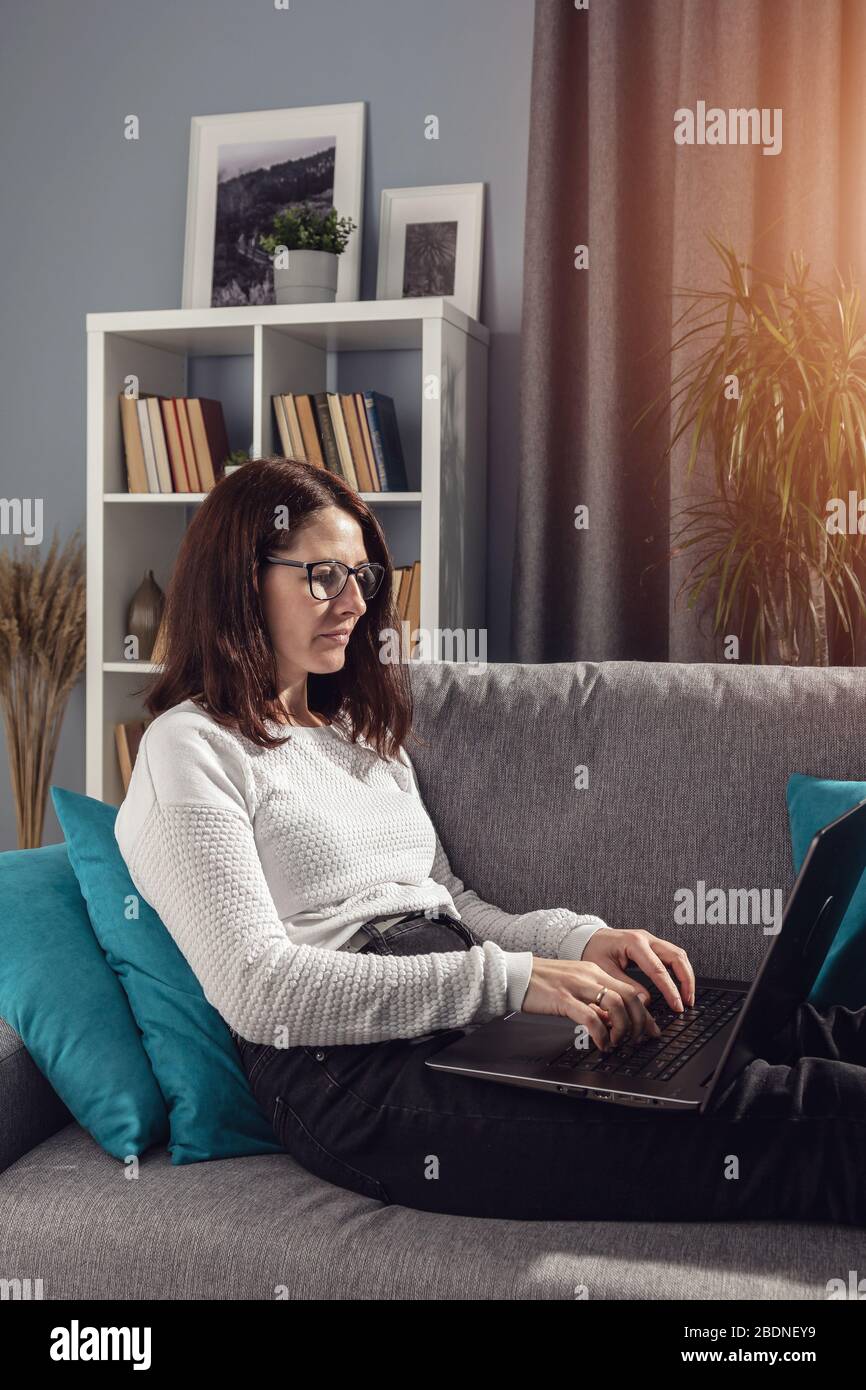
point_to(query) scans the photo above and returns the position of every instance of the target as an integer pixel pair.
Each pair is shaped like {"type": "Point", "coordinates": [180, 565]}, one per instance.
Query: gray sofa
{"type": "Point", "coordinates": [687, 771]}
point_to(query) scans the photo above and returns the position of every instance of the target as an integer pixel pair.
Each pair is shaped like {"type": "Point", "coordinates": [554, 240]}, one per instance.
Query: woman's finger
{"type": "Point", "coordinates": [586, 1019]}
{"type": "Point", "coordinates": [652, 955]}
{"type": "Point", "coordinates": [627, 1012]}
{"type": "Point", "coordinates": [675, 956]}
{"type": "Point", "coordinates": [639, 1000]}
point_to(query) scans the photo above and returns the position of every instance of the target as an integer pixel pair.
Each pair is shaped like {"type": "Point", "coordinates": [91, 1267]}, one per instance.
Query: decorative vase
{"type": "Point", "coordinates": [145, 614]}
{"type": "Point", "coordinates": [309, 278]}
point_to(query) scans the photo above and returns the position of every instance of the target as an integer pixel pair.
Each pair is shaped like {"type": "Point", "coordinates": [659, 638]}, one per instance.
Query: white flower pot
{"type": "Point", "coordinates": [309, 278]}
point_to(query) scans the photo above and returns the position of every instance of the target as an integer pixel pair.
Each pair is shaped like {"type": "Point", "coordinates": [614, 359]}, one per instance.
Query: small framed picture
{"type": "Point", "coordinates": [430, 242]}
{"type": "Point", "coordinates": [244, 168]}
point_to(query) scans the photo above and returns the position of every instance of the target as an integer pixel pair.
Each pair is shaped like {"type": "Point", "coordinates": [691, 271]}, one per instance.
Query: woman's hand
{"type": "Point", "coordinates": [613, 950]}
{"type": "Point", "coordinates": [569, 988]}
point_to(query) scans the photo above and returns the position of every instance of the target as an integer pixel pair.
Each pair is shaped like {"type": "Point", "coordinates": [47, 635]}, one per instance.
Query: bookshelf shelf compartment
{"type": "Point", "coordinates": [393, 346]}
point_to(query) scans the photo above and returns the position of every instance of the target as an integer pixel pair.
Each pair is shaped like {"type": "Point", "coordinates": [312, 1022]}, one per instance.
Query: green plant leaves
{"type": "Point", "coordinates": [303, 227]}
{"type": "Point", "coordinates": [792, 438]}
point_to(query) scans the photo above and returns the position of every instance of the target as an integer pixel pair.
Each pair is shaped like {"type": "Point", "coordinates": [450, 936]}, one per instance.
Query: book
{"type": "Point", "coordinates": [387, 448]}
{"type": "Point", "coordinates": [136, 472]}
{"type": "Point", "coordinates": [209, 439]}
{"type": "Point", "coordinates": [160, 451]}
{"type": "Point", "coordinates": [364, 424]}
{"type": "Point", "coordinates": [296, 438]}
{"type": "Point", "coordinates": [147, 445]}
{"type": "Point", "coordinates": [356, 442]}
{"type": "Point", "coordinates": [186, 441]}
{"type": "Point", "coordinates": [347, 465]}
{"type": "Point", "coordinates": [175, 447]}
{"type": "Point", "coordinates": [330, 452]}
{"type": "Point", "coordinates": [282, 425]}
{"type": "Point", "coordinates": [307, 418]}
{"type": "Point", "coordinates": [127, 739]}
{"type": "Point", "coordinates": [413, 599]}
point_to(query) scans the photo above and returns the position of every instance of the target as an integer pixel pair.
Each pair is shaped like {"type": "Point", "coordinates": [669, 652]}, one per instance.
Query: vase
{"type": "Point", "coordinates": [144, 615]}
{"type": "Point", "coordinates": [309, 278]}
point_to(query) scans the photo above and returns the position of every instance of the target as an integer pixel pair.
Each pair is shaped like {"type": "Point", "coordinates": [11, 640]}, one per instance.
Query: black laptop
{"type": "Point", "coordinates": [701, 1050]}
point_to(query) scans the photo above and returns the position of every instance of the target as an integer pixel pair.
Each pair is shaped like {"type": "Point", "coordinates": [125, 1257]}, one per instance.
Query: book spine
{"type": "Point", "coordinates": [282, 426]}
{"type": "Point", "coordinates": [203, 460]}
{"type": "Point", "coordinates": [186, 441]}
{"type": "Point", "coordinates": [136, 471]}
{"type": "Point", "coordinates": [342, 438]}
{"type": "Point", "coordinates": [124, 760]}
{"type": "Point", "coordinates": [375, 485]}
{"type": "Point", "coordinates": [395, 464]}
{"type": "Point", "coordinates": [307, 419]}
{"type": "Point", "coordinates": [157, 434]}
{"type": "Point", "coordinates": [296, 434]}
{"type": "Point", "coordinates": [356, 443]}
{"type": "Point", "coordinates": [217, 437]}
{"type": "Point", "coordinates": [147, 445]}
{"type": "Point", "coordinates": [175, 452]}
{"type": "Point", "coordinates": [376, 440]}
{"type": "Point", "coordinates": [326, 430]}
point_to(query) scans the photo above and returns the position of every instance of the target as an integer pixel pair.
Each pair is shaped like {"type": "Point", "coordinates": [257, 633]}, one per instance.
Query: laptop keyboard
{"type": "Point", "coordinates": [682, 1035]}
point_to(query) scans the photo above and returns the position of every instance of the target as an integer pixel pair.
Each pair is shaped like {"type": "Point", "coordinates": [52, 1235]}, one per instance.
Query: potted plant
{"type": "Point", "coordinates": [305, 243]}
{"type": "Point", "coordinates": [777, 398]}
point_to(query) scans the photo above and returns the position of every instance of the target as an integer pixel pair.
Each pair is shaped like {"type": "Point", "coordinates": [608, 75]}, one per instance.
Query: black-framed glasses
{"type": "Point", "coordinates": [328, 578]}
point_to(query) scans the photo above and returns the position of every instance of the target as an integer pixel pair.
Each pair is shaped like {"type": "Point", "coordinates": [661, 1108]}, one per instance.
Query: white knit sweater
{"type": "Point", "coordinates": [262, 863]}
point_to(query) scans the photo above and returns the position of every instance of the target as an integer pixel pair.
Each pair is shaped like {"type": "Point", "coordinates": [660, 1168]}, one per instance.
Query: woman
{"type": "Point", "coordinates": [275, 823]}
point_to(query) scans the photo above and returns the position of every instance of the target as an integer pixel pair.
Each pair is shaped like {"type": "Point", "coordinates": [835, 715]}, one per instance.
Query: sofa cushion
{"type": "Point", "coordinates": [60, 996]}
{"type": "Point", "coordinates": [212, 1111]}
{"type": "Point", "coordinates": [814, 802]}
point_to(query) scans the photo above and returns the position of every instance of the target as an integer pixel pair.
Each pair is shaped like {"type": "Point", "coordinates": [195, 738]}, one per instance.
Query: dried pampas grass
{"type": "Point", "coordinates": [42, 648]}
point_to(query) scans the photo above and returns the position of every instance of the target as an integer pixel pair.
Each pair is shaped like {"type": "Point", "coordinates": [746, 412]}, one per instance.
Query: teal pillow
{"type": "Point", "coordinates": [812, 804]}
{"type": "Point", "coordinates": [65, 1003]}
{"type": "Point", "coordinates": [212, 1110]}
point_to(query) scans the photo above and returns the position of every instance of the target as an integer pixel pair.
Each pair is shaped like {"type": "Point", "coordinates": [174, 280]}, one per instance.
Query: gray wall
{"type": "Point", "coordinates": [90, 221]}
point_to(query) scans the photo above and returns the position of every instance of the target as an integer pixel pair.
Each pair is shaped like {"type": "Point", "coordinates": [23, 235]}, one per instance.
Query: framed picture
{"type": "Point", "coordinates": [245, 167]}
{"type": "Point", "coordinates": [430, 243]}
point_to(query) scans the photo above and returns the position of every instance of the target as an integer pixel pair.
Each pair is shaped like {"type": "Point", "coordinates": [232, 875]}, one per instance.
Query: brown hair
{"type": "Point", "coordinates": [217, 647]}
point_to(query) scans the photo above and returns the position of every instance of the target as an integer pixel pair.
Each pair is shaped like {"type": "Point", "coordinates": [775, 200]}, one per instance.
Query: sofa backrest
{"type": "Point", "coordinates": [686, 764]}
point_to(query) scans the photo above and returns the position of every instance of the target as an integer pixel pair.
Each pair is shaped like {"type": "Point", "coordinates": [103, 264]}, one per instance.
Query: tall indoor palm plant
{"type": "Point", "coordinates": [777, 396]}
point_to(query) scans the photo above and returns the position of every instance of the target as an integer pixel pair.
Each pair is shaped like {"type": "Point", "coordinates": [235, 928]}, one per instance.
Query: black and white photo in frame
{"type": "Point", "coordinates": [430, 242]}
{"type": "Point", "coordinates": [246, 167]}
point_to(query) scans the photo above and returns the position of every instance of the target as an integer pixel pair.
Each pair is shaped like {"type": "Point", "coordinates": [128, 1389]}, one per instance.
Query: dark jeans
{"type": "Point", "coordinates": [787, 1140]}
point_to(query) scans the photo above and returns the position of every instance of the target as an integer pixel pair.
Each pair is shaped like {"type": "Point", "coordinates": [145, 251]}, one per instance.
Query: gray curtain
{"type": "Point", "coordinates": [605, 171]}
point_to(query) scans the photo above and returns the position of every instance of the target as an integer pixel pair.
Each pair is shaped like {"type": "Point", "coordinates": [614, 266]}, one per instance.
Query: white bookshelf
{"type": "Point", "coordinates": [441, 521]}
